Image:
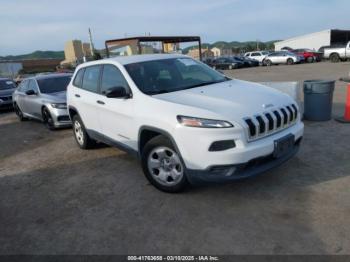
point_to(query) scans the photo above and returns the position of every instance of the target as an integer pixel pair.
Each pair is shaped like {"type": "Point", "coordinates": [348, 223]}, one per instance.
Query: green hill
{"type": "Point", "coordinates": [36, 55]}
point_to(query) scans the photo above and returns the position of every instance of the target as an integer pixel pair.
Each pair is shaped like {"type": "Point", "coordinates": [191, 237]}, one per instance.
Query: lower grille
{"type": "Point", "coordinates": [63, 118]}
{"type": "Point", "coordinates": [271, 122]}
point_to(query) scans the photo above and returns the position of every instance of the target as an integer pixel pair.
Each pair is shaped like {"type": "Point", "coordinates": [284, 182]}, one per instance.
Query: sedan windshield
{"type": "Point", "coordinates": [169, 75]}
{"type": "Point", "coordinates": [53, 84]}
{"type": "Point", "coordinates": [7, 84]}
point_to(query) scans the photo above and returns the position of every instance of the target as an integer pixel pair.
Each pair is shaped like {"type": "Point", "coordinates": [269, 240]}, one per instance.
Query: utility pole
{"type": "Point", "coordinates": [91, 44]}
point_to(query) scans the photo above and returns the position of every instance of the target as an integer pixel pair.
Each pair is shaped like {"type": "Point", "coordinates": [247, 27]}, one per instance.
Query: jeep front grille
{"type": "Point", "coordinates": [270, 122]}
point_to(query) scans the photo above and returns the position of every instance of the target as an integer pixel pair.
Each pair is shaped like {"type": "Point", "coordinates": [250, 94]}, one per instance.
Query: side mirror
{"type": "Point", "coordinates": [30, 92]}
{"type": "Point", "coordinates": [117, 92]}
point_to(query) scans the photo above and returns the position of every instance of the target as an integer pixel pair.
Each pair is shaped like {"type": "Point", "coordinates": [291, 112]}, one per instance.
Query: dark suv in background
{"type": "Point", "coordinates": [7, 87]}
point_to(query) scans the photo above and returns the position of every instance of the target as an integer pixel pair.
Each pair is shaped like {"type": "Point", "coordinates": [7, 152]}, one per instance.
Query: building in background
{"type": "Point", "coordinates": [221, 51]}
{"type": "Point", "coordinates": [194, 53]}
{"type": "Point", "coordinates": [316, 41]}
{"type": "Point", "coordinates": [76, 52]}
{"type": "Point", "coordinates": [171, 48]}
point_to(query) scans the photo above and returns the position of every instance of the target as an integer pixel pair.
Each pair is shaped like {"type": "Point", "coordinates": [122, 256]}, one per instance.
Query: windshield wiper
{"type": "Point", "coordinates": [206, 83]}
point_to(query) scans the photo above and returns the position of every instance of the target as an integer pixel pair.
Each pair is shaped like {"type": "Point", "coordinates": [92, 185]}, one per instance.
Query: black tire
{"type": "Point", "coordinates": [268, 62]}
{"type": "Point", "coordinates": [19, 113]}
{"type": "Point", "coordinates": [310, 59]}
{"type": "Point", "coordinates": [290, 61]}
{"type": "Point", "coordinates": [149, 154]}
{"type": "Point", "coordinates": [84, 141]}
{"type": "Point", "coordinates": [47, 119]}
{"type": "Point", "coordinates": [335, 58]}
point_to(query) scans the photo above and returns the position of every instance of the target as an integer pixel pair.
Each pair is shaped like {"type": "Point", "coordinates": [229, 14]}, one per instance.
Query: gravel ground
{"type": "Point", "coordinates": [58, 199]}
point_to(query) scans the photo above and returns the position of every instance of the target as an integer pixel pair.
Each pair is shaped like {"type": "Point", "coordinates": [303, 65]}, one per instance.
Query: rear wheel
{"type": "Point", "coordinates": [19, 113]}
{"type": "Point", "coordinates": [334, 58]}
{"type": "Point", "coordinates": [47, 119]}
{"type": "Point", "coordinates": [81, 136]}
{"type": "Point", "coordinates": [310, 59]}
{"type": "Point", "coordinates": [162, 165]}
{"type": "Point", "coordinates": [290, 61]}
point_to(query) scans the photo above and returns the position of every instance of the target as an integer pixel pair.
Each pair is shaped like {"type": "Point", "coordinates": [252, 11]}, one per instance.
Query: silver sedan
{"type": "Point", "coordinates": [43, 98]}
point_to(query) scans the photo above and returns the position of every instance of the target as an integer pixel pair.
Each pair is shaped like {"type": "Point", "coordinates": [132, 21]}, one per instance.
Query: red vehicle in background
{"type": "Point", "coordinates": [309, 55]}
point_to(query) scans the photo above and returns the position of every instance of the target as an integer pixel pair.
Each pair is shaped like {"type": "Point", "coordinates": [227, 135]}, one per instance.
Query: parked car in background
{"type": "Point", "coordinates": [309, 55]}
{"type": "Point", "coordinates": [43, 98]}
{"type": "Point", "coordinates": [7, 87]}
{"type": "Point", "coordinates": [227, 63]}
{"type": "Point", "coordinates": [336, 54]}
{"type": "Point", "coordinates": [186, 122]}
{"type": "Point", "coordinates": [282, 57]}
{"type": "Point", "coordinates": [247, 62]}
{"type": "Point", "coordinates": [257, 55]}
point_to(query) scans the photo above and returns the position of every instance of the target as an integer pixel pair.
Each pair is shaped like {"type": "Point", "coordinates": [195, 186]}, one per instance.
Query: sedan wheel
{"type": "Point", "coordinates": [19, 113]}
{"type": "Point", "coordinates": [47, 118]}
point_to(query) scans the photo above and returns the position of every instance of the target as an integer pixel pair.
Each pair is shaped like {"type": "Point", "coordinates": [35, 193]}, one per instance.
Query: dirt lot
{"type": "Point", "coordinates": [58, 199]}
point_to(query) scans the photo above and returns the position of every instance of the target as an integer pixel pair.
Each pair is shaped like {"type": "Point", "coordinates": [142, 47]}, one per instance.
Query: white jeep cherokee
{"type": "Point", "coordinates": [185, 121]}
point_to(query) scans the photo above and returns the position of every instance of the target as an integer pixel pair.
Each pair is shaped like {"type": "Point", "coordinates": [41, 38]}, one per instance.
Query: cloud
{"type": "Point", "coordinates": [28, 25]}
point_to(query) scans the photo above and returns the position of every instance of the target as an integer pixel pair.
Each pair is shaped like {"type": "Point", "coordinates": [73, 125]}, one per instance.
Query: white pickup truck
{"type": "Point", "coordinates": [337, 54]}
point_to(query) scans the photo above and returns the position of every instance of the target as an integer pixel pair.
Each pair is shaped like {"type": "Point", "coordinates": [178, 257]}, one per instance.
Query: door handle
{"type": "Point", "coordinates": [100, 102]}
{"type": "Point", "coordinates": [77, 95]}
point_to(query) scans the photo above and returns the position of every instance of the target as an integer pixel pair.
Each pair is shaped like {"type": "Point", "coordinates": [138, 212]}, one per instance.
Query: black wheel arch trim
{"type": "Point", "coordinates": [162, 132]}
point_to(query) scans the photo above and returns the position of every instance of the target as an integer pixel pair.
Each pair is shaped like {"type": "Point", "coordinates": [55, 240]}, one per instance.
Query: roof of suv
{"type": "Point", "coordinates": [124, 60]}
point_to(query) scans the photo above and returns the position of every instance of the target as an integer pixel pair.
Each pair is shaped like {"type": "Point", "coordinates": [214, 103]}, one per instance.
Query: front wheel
{"type": "Point", "coordinates": [162, 165]}
{"type": "Point", "coordinates": [19, 113]}
{"type": "Point", "coordinates": [310, 59]}
{"type": "Point", "coordinates": [268, 62]}
{"type": "Point", "coordinates": [290, 61]}
{"type": "Point", "coordinates": [47, 119]}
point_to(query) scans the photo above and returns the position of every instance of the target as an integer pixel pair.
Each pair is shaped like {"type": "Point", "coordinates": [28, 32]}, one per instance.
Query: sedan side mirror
{"type": "Point", "coordinates": [30, 92]}
{"type": "Point", "coordinates": [117, 92]}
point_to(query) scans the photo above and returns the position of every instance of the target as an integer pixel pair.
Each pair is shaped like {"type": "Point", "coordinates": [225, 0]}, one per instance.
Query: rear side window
{"type": "Point", "coordinates": [112, 77]}
{"type": "Point", "coordinates": [78, 80]}
{"type": "Point", "coordinates": [91, 78]}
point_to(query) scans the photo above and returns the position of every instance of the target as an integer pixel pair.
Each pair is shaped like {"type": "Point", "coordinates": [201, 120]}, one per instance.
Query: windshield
{"type": "Point", "coordinates": [174, 74]}
{"type": "Point", "coordinates": [7, 84]}
{"type": "Point", "coordinates": [53, 84]}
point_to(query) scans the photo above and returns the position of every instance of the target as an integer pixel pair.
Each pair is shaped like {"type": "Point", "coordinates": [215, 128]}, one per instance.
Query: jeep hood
{"type": "Point", "coordinates": [231, 99]}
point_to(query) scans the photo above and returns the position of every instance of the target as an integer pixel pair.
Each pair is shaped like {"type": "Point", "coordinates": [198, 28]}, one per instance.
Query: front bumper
{"type": "Point", "coordinates": [60, 117]}
{"type": "Point", "coordinates": [222, 174]}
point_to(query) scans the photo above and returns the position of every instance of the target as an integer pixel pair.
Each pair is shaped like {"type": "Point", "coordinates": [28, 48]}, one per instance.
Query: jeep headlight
{"type": "Point", "coordinates": [59, 105]}
{"type": "Point", "coordinates": [202, 122]}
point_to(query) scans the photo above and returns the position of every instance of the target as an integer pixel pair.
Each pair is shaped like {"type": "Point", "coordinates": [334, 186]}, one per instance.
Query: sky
{"type": "Point", "coordinates": [29, 25]}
